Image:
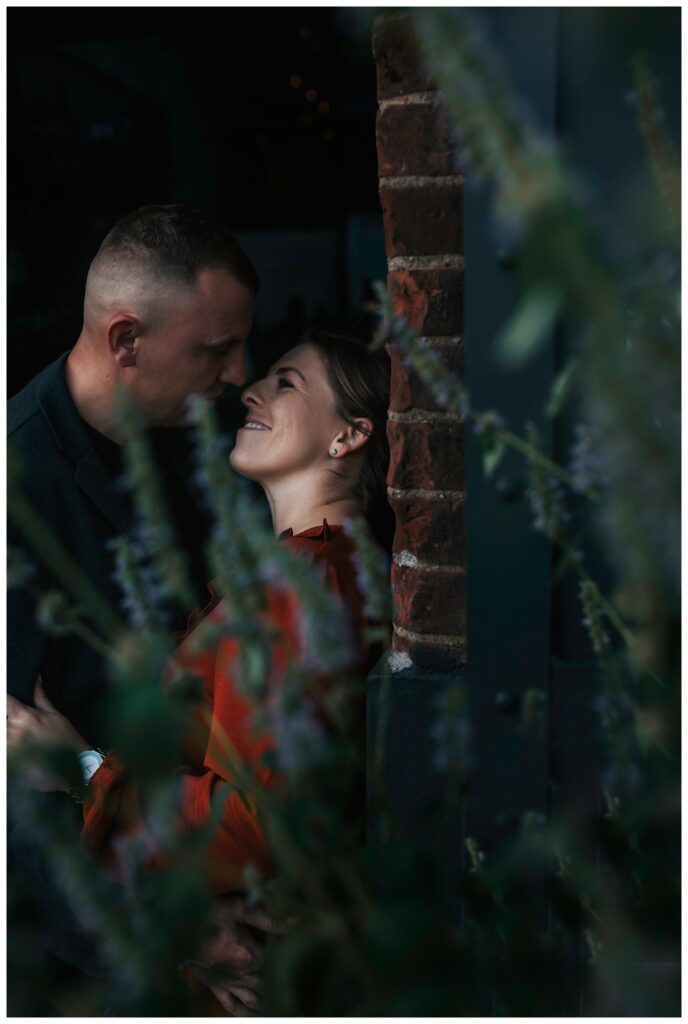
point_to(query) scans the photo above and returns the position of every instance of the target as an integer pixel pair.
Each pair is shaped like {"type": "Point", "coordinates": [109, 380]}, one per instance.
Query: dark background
{"type": "Point", "coordinates": [112, 108]}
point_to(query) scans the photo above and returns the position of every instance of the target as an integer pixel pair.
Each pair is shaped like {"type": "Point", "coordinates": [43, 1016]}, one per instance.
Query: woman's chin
{"type": "Point", "coordinates": [240, 464]}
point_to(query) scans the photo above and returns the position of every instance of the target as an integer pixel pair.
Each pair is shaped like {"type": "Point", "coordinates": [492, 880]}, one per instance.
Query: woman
{"type": "Point", "coordinates": [315, 440]}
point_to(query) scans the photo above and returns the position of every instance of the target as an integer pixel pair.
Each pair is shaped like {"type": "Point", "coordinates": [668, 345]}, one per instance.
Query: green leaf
{"type": "Point", "coordinates": [492, 449]}
{"type": "Point", "coordinates": [561, 388]}
{"type": "Point", "coordinates": [294, 970]}
{"type": "Point", "coordinates": [527, 329]}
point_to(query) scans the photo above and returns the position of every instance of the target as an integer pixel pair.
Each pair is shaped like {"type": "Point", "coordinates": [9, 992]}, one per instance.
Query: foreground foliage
{"type": "Point", "coordinates": [374, 932]}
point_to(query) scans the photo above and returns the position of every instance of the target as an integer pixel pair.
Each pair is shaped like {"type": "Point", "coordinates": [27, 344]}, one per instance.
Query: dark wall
{"type": "Point", "coordinates": [573, 67]}
{"type": "Point", "coordinates": [112, 108]}
{"type": "Point", "coordinates": [578, 90]}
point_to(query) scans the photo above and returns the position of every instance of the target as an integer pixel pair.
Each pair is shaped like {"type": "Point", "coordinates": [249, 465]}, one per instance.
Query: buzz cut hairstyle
{"type": "Point", "coordinates": [176, 242]}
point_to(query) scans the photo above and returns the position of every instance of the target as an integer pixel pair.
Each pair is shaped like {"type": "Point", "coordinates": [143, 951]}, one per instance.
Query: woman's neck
{"type": "Point", "coordinates": [301, 504]}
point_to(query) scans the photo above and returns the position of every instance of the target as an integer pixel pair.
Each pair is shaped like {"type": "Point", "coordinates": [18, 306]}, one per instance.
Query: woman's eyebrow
{"type": "Point", "coordinates": [289, 369]}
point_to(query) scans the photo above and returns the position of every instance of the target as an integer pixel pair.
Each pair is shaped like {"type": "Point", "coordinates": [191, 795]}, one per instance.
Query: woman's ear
{"type": "Point", "coordinates": [352, 437]}
{"type": "Point", "coordinates": [122, 332]}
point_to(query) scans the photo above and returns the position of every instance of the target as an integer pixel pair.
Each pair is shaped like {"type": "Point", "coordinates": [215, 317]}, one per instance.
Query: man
{"type": "Point", "coordinates": [167, 310]}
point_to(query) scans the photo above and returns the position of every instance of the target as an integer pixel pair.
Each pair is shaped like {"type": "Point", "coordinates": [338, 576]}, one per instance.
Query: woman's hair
{"type": "Point", "coordinates": [360, 380]}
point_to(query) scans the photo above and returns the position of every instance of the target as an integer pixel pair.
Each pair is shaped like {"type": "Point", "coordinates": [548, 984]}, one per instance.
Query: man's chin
{"type": "Point", "coordinates": [188, 414]}
{"type": "Point", "coordinates": [184, 418]}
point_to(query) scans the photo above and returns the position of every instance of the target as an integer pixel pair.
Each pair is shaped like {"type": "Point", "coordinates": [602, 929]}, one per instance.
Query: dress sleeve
{"type": "Point", "coordinates": [212, 784]}
{"type": "Point", "coordinates": [113, 810]}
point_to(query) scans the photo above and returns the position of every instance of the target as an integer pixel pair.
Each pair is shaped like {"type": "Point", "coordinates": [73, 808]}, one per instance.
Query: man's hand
{"type": "Point", "coordinates": [229, 963]}
{"type": "Point", "coordinates": [42, 725]}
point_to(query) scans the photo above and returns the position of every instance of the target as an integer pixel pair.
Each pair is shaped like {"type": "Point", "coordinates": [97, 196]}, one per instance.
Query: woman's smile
{"type": "Point", "coordinates": [254, 425]}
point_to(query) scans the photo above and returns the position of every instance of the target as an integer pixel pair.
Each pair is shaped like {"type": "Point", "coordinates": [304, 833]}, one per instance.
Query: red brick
{"type": "Point", "coordinates": [433, 530]}
{"type": "Point", "coordinates": [442, 657]}
{"type": "Point", "coordinates": [398, 58]}
{"type": "Point", "coordinates": [431, 300]}
{"type": "Point", "coordinates": [427, 601]}
{"type": "Point", "coordinates": [427, 455]}
{"type": "Point", "coordinates": [402, 643]}
{"type": "Point", "coordinates": [422, 221]}
{"type": "Point", "coordinates": [415, 139]}
{"type": "Point", "coordinates": [407, 389]}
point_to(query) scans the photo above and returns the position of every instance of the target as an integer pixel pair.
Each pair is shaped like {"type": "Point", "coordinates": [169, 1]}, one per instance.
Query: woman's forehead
{"type": "Point", "coordinates": [304, 357]}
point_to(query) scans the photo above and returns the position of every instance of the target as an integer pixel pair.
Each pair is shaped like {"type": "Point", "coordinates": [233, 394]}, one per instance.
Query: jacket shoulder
{"type": "Point", "coordinates": [22, 407]}
{"type": "Point", "coordinates": [33, 451]}
{"type": "Point", "coordinates": [26, 404]}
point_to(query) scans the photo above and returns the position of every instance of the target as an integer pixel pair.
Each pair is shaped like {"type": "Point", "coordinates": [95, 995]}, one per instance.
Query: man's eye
{"type": "Point", "coordinates": [224, 347]}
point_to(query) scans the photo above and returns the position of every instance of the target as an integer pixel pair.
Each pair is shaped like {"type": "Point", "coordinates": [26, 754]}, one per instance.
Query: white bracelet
{"type": "Point", "coordinates": [90, 761]}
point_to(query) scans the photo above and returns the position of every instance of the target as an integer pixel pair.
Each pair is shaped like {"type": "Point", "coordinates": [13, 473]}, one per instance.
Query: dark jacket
{"type": "Point", "coordinates": [57, 472]}
{"type": "Point", "coordinates": [55, 467]}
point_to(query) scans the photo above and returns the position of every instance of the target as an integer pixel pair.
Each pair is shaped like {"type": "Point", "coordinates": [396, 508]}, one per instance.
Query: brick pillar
{"type": "Point", "coordinates": [421, 198]}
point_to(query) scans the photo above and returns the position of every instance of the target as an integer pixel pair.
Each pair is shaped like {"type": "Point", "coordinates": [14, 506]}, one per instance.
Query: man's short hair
{"type": "Point", "coordinates": [176, 242]}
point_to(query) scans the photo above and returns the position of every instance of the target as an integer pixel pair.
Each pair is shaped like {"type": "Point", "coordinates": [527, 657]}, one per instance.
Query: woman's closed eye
{"type": "Point", "coordinates": [282, 382]}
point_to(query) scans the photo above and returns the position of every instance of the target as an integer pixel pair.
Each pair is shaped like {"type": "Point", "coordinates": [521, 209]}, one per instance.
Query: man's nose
{"type": "Point", "coordinates": [234, 366]}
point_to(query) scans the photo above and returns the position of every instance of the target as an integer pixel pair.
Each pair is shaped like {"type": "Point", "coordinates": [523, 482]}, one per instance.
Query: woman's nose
{"type": "Point", "coordinates": [249, 396]}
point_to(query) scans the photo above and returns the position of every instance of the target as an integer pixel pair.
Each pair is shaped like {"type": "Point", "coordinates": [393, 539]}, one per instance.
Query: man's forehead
{"type": "Point", "coordinates": [224, 305]}
{"type": "Point", "coordinates": [222, 280]}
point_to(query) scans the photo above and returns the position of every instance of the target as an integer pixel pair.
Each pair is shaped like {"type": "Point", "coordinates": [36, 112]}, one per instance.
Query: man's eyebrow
{"type": "Point", "coordinates": [288, 369]}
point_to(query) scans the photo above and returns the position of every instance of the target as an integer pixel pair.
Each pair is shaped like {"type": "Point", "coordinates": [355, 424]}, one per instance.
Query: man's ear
{"type": "Point", "coordinates": [122, 334]}
{"type": "Point", "coordinates": [352, 437]}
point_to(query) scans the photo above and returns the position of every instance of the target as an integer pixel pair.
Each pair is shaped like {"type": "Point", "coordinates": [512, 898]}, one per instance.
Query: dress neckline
{"type": "Point", "coordinates": [324, 532]}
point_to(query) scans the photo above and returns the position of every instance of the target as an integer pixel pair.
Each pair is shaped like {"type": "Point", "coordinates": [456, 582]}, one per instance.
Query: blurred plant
{"type": "Point", "coordinates": [374, 931]}
{"type": "Point", "coordinates": [451, 732]}
{"type": "Point", "coordinates": [156, 539]}
{"type": "Point", "coordinates": [663, 157]}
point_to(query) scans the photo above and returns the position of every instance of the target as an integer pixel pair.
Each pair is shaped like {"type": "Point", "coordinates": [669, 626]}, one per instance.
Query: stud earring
{"type": "Point", "coordinates": [333, 451]}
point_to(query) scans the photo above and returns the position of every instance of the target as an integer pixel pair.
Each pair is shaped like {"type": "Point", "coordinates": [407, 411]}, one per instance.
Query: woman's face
{"type": "Point", "coordinates": [291, 419]}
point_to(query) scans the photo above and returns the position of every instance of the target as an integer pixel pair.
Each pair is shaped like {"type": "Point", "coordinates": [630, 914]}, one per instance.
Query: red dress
{"type": "Point", "coordinates": [225, 724]}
